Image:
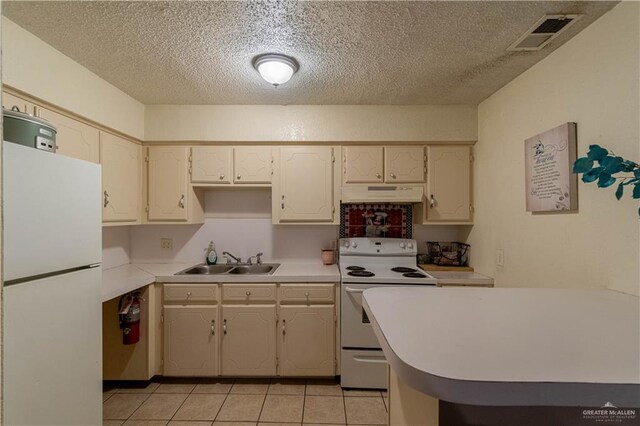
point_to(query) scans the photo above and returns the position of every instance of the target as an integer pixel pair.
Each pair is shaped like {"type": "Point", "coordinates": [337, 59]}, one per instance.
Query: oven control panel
{"type": "Point", "coordinates": [378, 246]}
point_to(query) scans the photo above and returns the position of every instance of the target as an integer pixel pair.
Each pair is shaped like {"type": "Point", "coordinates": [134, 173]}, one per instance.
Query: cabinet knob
{"type": "Point", "coordinates": [238, 177]}
{"type": "Point", "coordinates": [221, 177]}
{"type": "Point", "coordinates": [248, 293]}
{"type": "Point", "coordinates": [432, 201]}
{"type": "Point", "coordinates": [188, 294]}
{"type": "Point", "coordinates": [393, 176]}
{"type": "Point", "coordinates": [213, 327]}
{"type": "Point", "coordinates": [306, 293]}
{"type": "Point", "coordinates": [378, 175]}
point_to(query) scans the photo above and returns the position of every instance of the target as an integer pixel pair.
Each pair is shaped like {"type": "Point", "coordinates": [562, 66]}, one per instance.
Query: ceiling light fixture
{"type": "Point", "coordinates": [275, 68]}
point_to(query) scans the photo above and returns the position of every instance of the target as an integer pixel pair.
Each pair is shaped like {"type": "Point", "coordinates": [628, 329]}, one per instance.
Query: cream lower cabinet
{"type": "Point", "coordinates": [191, 340]}
{"type": "Point", "coordinates": [121, 179]}
{"type": "Point", "coordinates": [307, 326]}
{"type": "Point", "coordinates": [305, 190]}
{"type": "Point", "coordinates": [191, 330]}
{"type": "Point", "coordinates": [448, 188]}
{"type": "Point", "coordinates": [249, 340]}
{"type": "Point", "coordinates": [306, 341]}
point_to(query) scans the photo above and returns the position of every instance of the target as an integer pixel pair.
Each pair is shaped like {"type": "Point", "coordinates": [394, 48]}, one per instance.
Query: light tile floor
{"type": "Point", "coordinates": [244, 402]}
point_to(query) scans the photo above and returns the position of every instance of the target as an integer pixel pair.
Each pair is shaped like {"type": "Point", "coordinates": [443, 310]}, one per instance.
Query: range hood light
{"type": "Point", "coordinates": [274, 68]}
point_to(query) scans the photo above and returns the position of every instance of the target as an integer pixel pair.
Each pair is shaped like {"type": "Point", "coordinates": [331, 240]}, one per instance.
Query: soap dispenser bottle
{"type": "Point", "coordinates": [212, 256]}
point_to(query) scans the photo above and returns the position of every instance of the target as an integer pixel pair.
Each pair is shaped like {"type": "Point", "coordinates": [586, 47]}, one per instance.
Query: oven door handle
{"type": "Point", "coordinates": [352, 290]}
{"type": "Point", "coordinates": [371, 359]}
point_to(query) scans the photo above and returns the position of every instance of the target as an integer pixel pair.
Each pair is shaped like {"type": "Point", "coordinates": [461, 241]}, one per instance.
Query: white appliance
{"type": "Point", "coordinates": [52, 348]}
{"type": "Point", "coordinates": [367, 263]}
{"type": "Point", "coordinates": [382, 194]}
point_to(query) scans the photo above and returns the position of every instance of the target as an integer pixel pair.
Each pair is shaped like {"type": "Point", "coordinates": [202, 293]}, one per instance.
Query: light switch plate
{"type": "Point", "coordinates": [499, 257]}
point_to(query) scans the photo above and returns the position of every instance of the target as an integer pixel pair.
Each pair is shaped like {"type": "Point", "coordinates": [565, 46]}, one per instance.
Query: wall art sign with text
{"type": "Point", "coordinates": [550, 183]}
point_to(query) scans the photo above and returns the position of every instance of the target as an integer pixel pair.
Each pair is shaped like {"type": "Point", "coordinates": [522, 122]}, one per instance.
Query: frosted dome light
{"type": "Point", "coordinates": [274, 68]}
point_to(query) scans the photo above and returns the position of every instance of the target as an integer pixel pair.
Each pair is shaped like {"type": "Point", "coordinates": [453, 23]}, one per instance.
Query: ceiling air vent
{"type": "Point", "coordinates": [542, 32]}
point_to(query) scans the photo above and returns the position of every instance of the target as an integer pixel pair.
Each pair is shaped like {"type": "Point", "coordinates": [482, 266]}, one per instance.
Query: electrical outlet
{"type": "Point", "coordinates": [500, 257]}
{"type": "Point", "coordinates": [166, 243]}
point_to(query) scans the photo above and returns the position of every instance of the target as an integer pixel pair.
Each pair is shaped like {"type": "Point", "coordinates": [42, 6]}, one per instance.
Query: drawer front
{"type": "Point", "coordinates": [249, 293]}
{"type": "Point", "coordinates": [190, 293]}
{"type": "Point", "coordinates": [307, 293]}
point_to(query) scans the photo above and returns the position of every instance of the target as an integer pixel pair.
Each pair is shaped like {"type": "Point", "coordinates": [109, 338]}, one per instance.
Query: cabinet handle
{"type": "Point", "coordinates": [248, 293]}
{"type": "Point", "coordinates": [221, 177]}
{"type": "Point", "coordinates": [432, 202]}
{"type": "Point", "coordinates": [239, 177]}
{"type": "Point", "coordinates": [393, 176]}
{"type": "Point", "coordinates": [284, 327]}
{"type": "Point", "coordinates": [213, 327]}
{"type": "Point", "coordinates": [181, 202]}
{"type": "Point", "coordinates": [224, 327]}
{"type": "Point", "coordinates": [282, 204]}
{"type": "Point", "coordinates": [378, 175]}
{"type": "Point", "coordinates": [188, 294]}
{"type": "Point", "coordinates": [306, 293]}
{"type": "Point", "coordinates": [106, 199]}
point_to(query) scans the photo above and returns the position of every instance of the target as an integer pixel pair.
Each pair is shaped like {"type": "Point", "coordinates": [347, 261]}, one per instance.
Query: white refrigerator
{"type": "Point", "coordinates": [52, 236]}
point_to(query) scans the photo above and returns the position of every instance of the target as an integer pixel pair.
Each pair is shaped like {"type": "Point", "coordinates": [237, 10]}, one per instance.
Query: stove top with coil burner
{"type": "Point", "coordinates": [381, 261]}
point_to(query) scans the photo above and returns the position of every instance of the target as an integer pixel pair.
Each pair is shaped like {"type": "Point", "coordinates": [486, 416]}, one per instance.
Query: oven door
{"type": "Point", "coordinates": [356, 330]}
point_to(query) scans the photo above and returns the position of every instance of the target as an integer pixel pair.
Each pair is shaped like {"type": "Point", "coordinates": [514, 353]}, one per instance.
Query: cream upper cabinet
{"type": "Point", "coordinates": [191, 340]}
{"type": "Point", "coordinates": [404, 164]}
{"type": "Point", "coordinates": [9, 101]}
{"type": "Point", "coordinates": [306, 184]}
{"type": "Point", "coordinates": [252, 164]}
{"type": "Point", "coordinates": [249, 340]}
{"type": "Point", "coordinates": [363, 164]}
{"type": "Point", "coordinates": [211, 164]}
{"type": "Point", "coordinates": [121, 178]}
{"type": "Point", "coordinates": [74, 138]}
{"type": "Point", "coordinates": [448, 184]}
{"type": "Point", "coordinates": [306, 340]}
{"type": "Point", "coordinates": [168, 186]}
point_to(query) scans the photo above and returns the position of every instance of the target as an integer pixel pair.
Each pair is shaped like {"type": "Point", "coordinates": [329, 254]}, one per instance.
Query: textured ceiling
{"type": "Point", "coordinates": [353, 52]}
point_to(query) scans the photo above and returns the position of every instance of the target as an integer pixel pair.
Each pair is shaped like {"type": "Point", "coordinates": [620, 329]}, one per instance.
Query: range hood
{"type": "Point", "coordinates": [382, 194]}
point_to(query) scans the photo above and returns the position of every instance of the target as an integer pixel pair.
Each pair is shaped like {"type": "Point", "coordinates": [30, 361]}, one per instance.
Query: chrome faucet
{"type": "Point", "coordinates": [229, 255]}
{"type": "Point", "coordinates": [257, 256]}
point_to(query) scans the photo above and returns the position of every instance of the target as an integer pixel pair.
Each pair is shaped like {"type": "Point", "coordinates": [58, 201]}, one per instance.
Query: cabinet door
{"type": "Point", "coordinates": [448, 183]}
{"type": "Point", "coordinates": [307, 340]}
{"type": "Point", "coordinates": [9, 101]}
{"type": "Point", "coordinates": [74, 138]}
{"type": "Point", "coordinates": [306, 184]}
{"type": "Point", "coordinates": [362, 164]}
{"type": "Point", "coordinates": [190, 340]}
{"type": "Point", "coordinates": [121, 178]}
{"type": "Point", "coordinates": [168, 182]}
{"type": "Point", "coordinates": [249, 340]}
{"type": "Point", "coordinates": [252, 164]}
{"type": "Point", "coordinates": [211, 164]}
{"type": "Point", "coordinates": [404, 164]}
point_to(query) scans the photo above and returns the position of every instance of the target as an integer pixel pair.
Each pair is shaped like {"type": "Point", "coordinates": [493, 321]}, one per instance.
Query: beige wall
{"type": "Point", "coordinates": [31, 65]}
{"type": "Point", "coordinates": [298, 123]}
{"type": "Point", "coordinates": [592, 80]}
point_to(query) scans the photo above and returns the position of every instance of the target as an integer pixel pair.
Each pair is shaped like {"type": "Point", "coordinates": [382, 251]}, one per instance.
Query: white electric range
{"type": "Point", "coordinates": [367, 263]}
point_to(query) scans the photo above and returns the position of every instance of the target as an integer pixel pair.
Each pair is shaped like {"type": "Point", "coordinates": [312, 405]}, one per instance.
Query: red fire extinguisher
{"type": "Point", "coordinates": [129, 316]}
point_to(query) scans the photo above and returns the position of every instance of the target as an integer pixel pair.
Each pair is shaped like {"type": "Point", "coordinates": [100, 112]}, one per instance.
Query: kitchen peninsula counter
{"type": "Point", "coordinates": [511, 347]}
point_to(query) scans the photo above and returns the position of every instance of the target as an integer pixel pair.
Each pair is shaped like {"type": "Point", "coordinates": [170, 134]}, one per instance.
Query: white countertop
{"type": "Point", "coordinates": [460, 278]}
{"type": "Point", "coordinates": [508, 346]}
{"type": "Point", "coordinates": [123, 279]}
